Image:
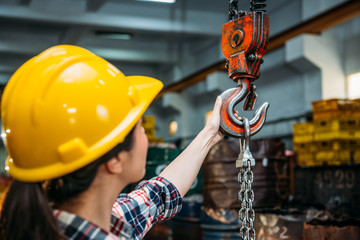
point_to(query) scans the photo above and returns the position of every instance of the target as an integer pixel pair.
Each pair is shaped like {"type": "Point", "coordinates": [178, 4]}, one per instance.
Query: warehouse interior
{"type": "Point", "coordinates": [310, 77]}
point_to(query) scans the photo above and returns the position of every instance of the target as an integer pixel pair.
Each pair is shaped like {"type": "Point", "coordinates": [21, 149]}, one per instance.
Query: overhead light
{"type": "Point", "coordinates": [353, 85]}
{"type": "Point", "coordinates": [114, 35]}
{"type": "Point", "coordinates": [173, 127]}
{"type": "Point", "coordinates": [159, 1]}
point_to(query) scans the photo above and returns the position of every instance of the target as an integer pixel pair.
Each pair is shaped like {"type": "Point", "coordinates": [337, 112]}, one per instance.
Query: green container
{"type": "Point", "coordinates": [159, 158]}
{"type": "Point", "coordinates": [162, 155]}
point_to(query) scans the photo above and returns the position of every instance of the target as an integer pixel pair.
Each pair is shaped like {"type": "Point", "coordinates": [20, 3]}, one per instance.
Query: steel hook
{"type": "Point", "coordinates": [230, 124]}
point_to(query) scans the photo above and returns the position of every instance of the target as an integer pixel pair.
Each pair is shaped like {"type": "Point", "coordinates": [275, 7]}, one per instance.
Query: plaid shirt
{"type": "Point", "coordinates": [133, 214]}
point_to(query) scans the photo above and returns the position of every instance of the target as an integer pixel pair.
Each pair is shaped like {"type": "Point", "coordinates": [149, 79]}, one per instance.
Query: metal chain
{"type": "Point", "coordinates": [233, 9]}
{"type": "Point", "coordinates": [246, 197]}
{"type": "Point", "coordinates": [257, 5]}
{"type": "Point", "coordinates": [246, 178]}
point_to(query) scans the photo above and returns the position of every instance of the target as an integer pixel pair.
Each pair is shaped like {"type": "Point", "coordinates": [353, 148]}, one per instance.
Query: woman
{"type": "Point", "coordinates": [72, 126]}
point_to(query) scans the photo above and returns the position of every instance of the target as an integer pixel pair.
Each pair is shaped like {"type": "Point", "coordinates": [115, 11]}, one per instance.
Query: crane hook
{"type": "Point", "coordinates": [230, 124]}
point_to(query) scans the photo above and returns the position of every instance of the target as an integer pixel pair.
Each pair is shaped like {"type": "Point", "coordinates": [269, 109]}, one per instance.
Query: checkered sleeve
{"type": "Point", "coordinates": [152, 201]}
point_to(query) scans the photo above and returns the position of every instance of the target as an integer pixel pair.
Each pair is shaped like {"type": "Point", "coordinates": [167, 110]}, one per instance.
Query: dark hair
{"type": "Point", "coordinates": [26, 212]}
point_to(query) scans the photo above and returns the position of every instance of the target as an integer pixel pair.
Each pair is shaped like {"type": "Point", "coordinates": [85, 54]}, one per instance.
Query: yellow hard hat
{"type": "Point", "coordinates": [67, 107]}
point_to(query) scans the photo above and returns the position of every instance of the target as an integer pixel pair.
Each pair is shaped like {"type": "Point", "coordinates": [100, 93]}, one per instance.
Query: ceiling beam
{"type": "Point", "coordinates": [94, 5]}
{"type": "Point", "coordinates": [24, 2]}
{"type": "Point", "coordinates": [23, 49]}
{"type": "Point", "coordinates": [133, 55]}
{"type": "Point", "coordinates": [141, 51]}
{"type": "Point", "coordinates": [334, 16]}
{"type": "Point", "coordinates": [191, 80]}
{"type": "Point", "coordinates": [72, 35]}
{"type": "Point", "coordinates": [7, 70]}
{"type": "Point", "coordinates": [126, 55]}
{"type": "Point", "coordinates": [120, 22]}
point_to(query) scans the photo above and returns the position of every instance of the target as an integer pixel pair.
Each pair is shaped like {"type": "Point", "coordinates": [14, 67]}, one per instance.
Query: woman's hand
{"type": "Point", "coordinates": [212, 126]}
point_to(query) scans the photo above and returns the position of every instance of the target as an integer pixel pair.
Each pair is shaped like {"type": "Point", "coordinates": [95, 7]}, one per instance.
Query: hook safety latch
{"type": "Point", "coordinates": [229, 123]}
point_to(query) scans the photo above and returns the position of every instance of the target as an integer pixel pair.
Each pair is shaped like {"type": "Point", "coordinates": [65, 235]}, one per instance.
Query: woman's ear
{"type": "Point", "coordinates": [116, 164]}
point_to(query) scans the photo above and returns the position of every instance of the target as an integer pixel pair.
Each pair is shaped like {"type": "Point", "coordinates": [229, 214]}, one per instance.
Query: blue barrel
{"type": "Point", "coordinates": [186, 225]}
{"type": "Point", "coordinates": [220, 224]}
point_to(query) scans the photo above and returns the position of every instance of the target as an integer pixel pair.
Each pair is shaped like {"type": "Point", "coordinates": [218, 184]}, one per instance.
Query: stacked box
{"type": "Point", "coordinates": [337, 152]}
{"type": "Point", "coordinates": [303, 132]}
{"type": "Point", "coordinates": [341, 128]}
{"type": "Point", "coordinates": [336, 108]}
{"type": "Point", "coordinates": [303, 143]}
{"type": "Point", "coordinates": [149, 125]}
{"type": "Point", "coordinates": [337, 131]}
{"type": "Point", "coordinates": [333, 138]}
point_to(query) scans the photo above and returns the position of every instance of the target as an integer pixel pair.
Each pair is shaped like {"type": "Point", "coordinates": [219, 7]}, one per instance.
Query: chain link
{"type": "Point", "coordinates": [246, 197]}
{"type": "Point", "coordinates": [257, 5]}
{"type": "Point", "coordinates": [233, 9]}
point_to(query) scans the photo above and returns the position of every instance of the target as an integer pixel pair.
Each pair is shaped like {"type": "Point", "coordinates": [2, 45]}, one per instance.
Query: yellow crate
{"type": "Point", "coordinates": [338, 128]}
{"type": "Point", "coordinates": [357, 156]}
{"type": "Point", "coordinates": [303, 128]}
{"type": "Point", "coordinates": [305, 159]}
{"type": "Point", "coordinates": [338, 157]}
{"type": "Point", "coordinates": [304, 147]}
{"type": "Point", "coordinates": [336, 145]}
{"type": "Point", "coordinates": [155, 140]}
{"type": "Point", "coordinates": [149, 125]}
{"type": "Point", "coordinates": [340, 135]}
{"type": "Point", "coordinates": [303, 132]}
{"type": "Point", "coordinates": [337, 124]}
{"type": "Point", "coordinates": [323, 115]}
{"type": "Point", "coordinates": [150, 132]}
{"type": "Point", "coordinates": [329, 163]}
{"type": "Point", "coordinates": [336, 104]}
{"type": "Point", "coordinates": [336, 108]}
{"type": "Point", "coordinates": [148, 120]}
{"type": "Point", "coordinates": [303, 138]}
